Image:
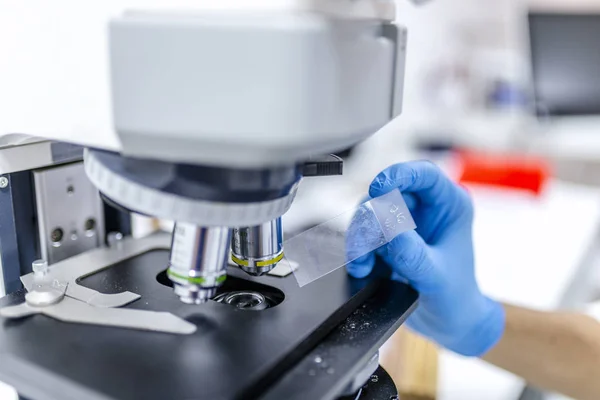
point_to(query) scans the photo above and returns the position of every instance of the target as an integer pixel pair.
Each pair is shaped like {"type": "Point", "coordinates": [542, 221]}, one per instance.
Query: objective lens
{"type": "Point", "coordinates": [258, 249]}
{"type": "Point", "coordinates": [198, 261]}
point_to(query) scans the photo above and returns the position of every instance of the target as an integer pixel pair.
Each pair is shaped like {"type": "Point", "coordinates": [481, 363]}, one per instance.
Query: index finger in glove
{"type": "Point", "coordinates": [423, 178]}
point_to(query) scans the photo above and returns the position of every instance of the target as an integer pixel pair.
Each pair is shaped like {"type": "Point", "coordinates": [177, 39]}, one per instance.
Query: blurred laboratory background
{"type": "Point", "coordinates": [505, 96]}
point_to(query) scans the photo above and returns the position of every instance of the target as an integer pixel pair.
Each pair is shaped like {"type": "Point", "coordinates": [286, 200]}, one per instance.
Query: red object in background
{"type": "Point", "coordinates": [504, 170]}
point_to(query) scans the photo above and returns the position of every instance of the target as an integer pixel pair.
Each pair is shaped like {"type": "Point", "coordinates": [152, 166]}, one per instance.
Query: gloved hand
{"type": "Point", "coordinates": [437, 260]}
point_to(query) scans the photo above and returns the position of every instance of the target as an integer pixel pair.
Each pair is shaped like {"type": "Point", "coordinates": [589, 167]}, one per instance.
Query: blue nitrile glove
{"type": "Point", "coordinates": [437, 260]}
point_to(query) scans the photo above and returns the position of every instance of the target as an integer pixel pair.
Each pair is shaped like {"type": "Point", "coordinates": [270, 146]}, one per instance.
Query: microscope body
{"type": "Point", "coordinates": [232, 102]}
{"type": "Point", "coordinates": [205, 113]}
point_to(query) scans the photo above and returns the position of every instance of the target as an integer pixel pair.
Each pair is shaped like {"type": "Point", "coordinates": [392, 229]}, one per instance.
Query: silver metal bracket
{"type": "Point", "coordinates": [80, 266]}
{"type": "Point", "coordinates": [70, 212]}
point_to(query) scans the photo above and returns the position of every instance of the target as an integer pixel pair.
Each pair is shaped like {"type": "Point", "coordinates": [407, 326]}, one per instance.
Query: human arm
{"type": "Point", "coordinates": [555, 351]}
{"type": "Point", "coordinates": [437, 260]}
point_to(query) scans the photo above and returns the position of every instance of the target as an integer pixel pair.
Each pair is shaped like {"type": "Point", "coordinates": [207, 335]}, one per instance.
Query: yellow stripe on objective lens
{"type": "Point", "coordinates": [243, 263]}
{"type": "Point", "coordinates": [265, 263]}
{"type": "Point", "coordinates": [270, 262]}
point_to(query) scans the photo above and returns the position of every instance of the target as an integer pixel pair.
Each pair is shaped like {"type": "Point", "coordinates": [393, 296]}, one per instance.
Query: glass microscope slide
{"type": "Point", "coordinates": [347, 237]}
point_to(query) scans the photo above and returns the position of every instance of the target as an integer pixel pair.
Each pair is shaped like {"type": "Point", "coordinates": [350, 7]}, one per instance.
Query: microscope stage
{"type": "Point", "coordinates": [310, 346]}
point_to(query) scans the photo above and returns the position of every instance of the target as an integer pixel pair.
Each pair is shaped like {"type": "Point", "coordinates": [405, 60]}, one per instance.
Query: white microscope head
{"type": "Point", "coordinates": [235, 83]}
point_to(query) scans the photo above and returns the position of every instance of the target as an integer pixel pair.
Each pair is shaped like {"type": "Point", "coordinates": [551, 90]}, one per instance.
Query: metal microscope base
{"type": "Point", "coordinates": [309, 346]}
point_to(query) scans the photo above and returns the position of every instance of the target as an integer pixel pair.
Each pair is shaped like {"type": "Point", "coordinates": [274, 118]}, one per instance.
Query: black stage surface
{"type": "Point", "coordinates": [234, 354]}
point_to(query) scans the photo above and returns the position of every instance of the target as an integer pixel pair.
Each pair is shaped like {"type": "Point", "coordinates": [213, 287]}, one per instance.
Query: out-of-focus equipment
{"type": "Point", "coordinates": [509, 171]}
{"type": "Point", "coordinates": [209, 117]}
{"type": "Point", "coordinates": [565, 54]}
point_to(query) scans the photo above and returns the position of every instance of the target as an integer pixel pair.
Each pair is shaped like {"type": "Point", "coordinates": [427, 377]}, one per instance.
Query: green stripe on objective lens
{"type": "Point", "coordinates": [194, 279]}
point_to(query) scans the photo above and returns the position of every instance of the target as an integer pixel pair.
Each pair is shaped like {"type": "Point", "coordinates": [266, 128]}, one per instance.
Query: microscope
{"type": "Point", "coordinates": [213, 115]}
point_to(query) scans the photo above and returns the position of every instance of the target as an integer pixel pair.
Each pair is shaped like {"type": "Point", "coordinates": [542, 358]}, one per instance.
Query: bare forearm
{"type": "Point", "coordinates": [555, 351]}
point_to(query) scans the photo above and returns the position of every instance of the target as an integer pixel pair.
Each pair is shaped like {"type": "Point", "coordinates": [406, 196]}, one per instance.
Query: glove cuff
{"type": "Point", "coordinates": [485, 335]}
